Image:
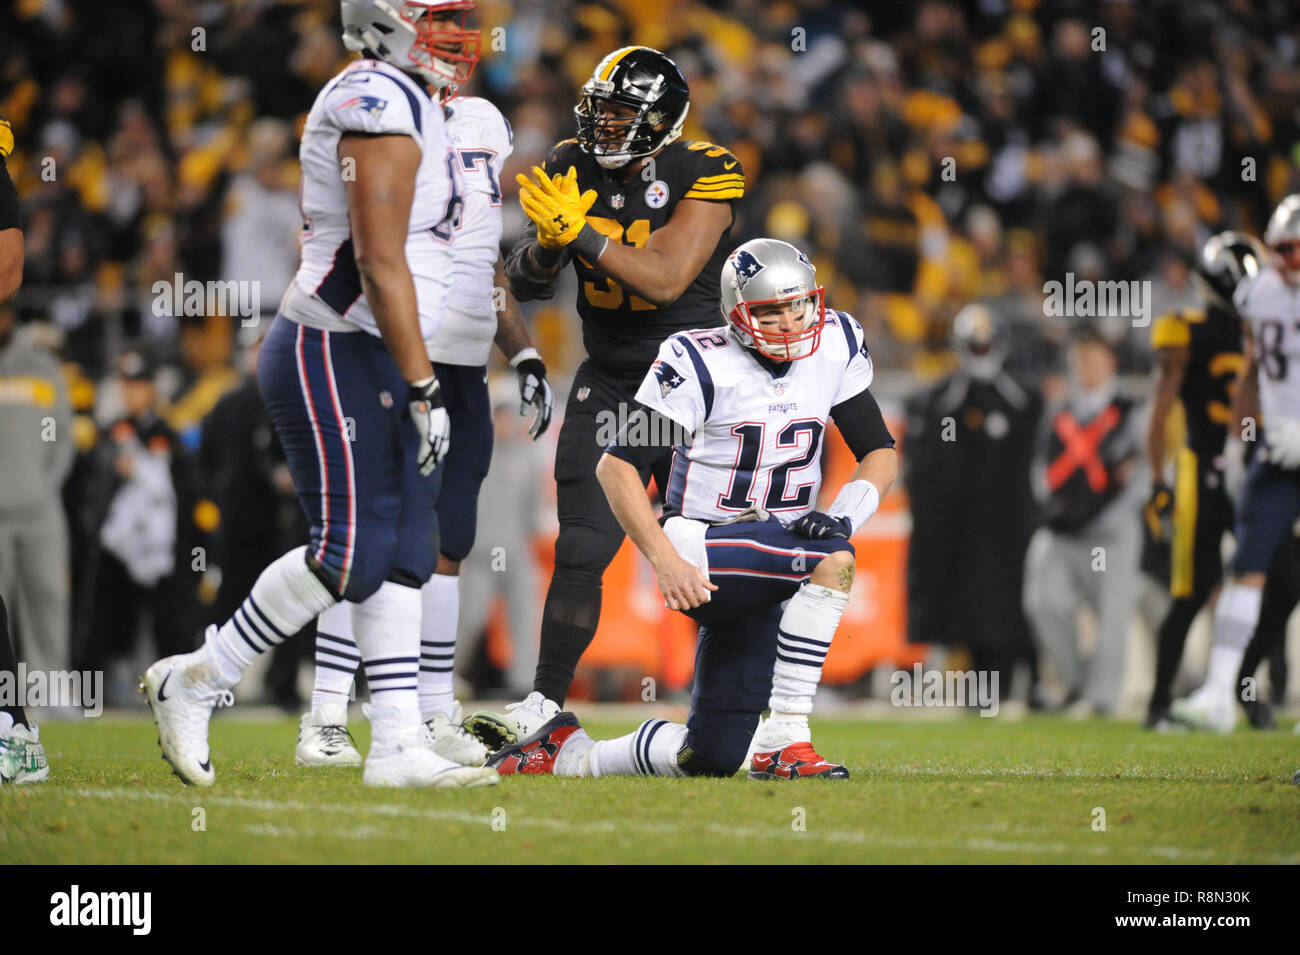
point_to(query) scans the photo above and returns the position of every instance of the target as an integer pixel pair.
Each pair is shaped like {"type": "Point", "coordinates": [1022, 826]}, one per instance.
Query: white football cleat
{"type": "Point", "coordinates": [1206, 709]}
{"type": "Point", "coordinates": [182, 694]}
{"type": "Point", "coordinates": [400, 757]}
{"type": "Point", "coordinates": [520, 721]}
{"type": "Point", "coordinates": [22, 757]}
{"type": "Point", "coordinates": [324, 740]}
{"type": "Point", "coordinates": [447, 737]}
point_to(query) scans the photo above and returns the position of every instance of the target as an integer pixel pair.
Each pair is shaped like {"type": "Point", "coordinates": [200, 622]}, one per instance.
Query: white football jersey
{"type": "Point", "coordinates": [1273, 309]}
{"type": "Point", "coordinates": [370, 96]}
{"type": "Point", "coordinates": [482, 140]}
{"type": "Point", "coordinates": [757, 432]}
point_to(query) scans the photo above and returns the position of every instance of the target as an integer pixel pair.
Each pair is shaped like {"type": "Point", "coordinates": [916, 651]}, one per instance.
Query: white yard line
{"type": "Point", "coordinates": [518, 821]}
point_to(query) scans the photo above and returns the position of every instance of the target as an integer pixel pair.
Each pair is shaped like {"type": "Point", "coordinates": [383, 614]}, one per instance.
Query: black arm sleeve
{"type": "Point", "coordinates": [645, 439]}
{"type": "Point", "coordinates": [862, 425]}
{"type": "Point", "coordinates": [526, 283]}
{"type": "Point", "coordinates": [8, 201]}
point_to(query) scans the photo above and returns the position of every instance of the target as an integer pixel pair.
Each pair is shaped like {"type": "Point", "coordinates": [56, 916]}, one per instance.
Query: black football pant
{"type": "Point", "coordinates": [599, 402]}
{"type": "Point", "coordinates": [9, 664]}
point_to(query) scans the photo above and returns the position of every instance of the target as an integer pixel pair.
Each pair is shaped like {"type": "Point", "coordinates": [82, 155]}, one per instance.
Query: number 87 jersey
{"type": "Point", "coordinates": [757, 424]}
{"type": "Point", "coordinates": [1272, 307]}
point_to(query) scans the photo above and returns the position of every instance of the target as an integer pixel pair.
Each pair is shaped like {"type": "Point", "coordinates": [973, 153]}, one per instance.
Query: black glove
{"type": "Point", "coordinates": [1158, 506]}
{"type": "Point", "coordinates": [535, 390]}
{"type": "Point", "coordinates": [818, 526]}
{"type": "Point", "coordinates": [424, 398]}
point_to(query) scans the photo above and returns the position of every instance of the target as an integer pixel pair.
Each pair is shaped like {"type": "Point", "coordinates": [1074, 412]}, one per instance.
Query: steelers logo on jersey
{"type": "Point", "coordinates": [656, 194]}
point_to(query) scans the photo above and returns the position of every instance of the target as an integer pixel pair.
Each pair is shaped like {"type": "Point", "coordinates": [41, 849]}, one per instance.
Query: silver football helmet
{"type": "Point", "coordinates": [980, 341]}
{"type": "Point", "coordinates": [404, 35]}
{"type": "Point", "coordinates": [769, 272]}
{"type": "Point", "coordinates": [1225, 261]}
{"type": "Point", "coordinates": [1284, 230]}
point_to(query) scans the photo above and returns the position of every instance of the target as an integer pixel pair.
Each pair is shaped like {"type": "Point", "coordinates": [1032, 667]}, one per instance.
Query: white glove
{"type": "Point", "coordinates": [425, 402]}
{"type": "Point", "coordinates": [534, 390]}
{"type": "Point", "coordinates": [1234, 468]}
{"type": "Point", "coordinates": [1283, 437]}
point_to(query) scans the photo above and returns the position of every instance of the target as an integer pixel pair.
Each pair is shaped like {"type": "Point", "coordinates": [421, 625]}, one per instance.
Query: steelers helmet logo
{"type": "Point", "coordinates": [656, 194]}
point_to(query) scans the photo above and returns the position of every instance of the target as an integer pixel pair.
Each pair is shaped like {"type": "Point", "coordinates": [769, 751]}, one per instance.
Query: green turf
{"type": "Point", "coordinates": [969, 790]}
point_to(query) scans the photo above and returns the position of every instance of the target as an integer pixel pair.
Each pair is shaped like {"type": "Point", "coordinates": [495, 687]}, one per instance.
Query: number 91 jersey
{"type": "Point", "coordinates": [620, 330]}
{"type": "Point", "coordinates": [757, 426]}
{"type": "Point", "coordinates": [1273, 309]}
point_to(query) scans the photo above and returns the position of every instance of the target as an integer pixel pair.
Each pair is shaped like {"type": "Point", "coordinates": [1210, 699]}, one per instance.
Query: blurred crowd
{"type": "Point", "coordinates": [927, 155]}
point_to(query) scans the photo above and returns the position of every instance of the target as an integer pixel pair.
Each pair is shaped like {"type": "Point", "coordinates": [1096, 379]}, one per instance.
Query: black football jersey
{"type": "Point", "coordinates": [622, 331]}
{"type": "Point", "coordinates": [1214, 365]}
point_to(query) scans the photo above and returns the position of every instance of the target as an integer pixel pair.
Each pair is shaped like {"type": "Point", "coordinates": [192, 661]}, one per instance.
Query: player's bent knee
{"type": "Point", "coordinates": [691, 763]}
{"type": "Point", "coordinates": [835, 569]}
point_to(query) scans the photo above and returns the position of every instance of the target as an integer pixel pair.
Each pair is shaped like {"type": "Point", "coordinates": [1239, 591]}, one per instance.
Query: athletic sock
{"type": "Point", "coordinates": [16, 715]}
{"type": "Point", "coordinates": [284, 599]}
{"type": "Point", "coordinates": [386, 626]}
{"type": "Point", "coordinates": [337, 657]}
{"type": "Point", "coordinates": [1235, 618]}
{"type": "Point", "coordinates": [568, 626]}
{"type": "Point", "coordinates": [1170, 640]}
{"type": "Point", "coordinates": [649, 751]}
{"type": "Point", "coordinates": [440, 602]}
{"type": "Point", "coordinates": [802, 640]}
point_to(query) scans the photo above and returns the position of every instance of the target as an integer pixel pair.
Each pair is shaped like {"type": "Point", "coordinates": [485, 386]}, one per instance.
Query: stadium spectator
{"type": "Point", "coordinates": [1086, 554]}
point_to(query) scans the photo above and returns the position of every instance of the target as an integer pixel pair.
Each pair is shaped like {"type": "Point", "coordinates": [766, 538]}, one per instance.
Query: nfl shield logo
{"type": "Point", "coordinates": [583, 392]}
{"type": "Point", "coordinates": [779, 388]}
{"type": "Point", "coordinates": [616, 201]}
{"type": "Point", "coordinates": [386, 398]}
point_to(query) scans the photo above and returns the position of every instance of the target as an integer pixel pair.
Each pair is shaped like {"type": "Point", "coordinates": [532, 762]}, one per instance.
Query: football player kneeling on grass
{"type": "Point", "coordinates": [739, 536]}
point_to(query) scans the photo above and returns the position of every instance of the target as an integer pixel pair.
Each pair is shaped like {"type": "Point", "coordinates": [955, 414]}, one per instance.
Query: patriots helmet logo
{"type": "Point", "coordinates": [371, 104]}
{"type": "Point", "coordinates": [746, 266]}
{"type": "Point", "coordinates": [667, 377]}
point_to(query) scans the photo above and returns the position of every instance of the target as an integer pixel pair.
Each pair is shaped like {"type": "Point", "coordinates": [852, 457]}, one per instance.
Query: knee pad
{"type": "Point", "coordinates": [586, 551]}
{"type": "Point", "coordinates": [578, 575]}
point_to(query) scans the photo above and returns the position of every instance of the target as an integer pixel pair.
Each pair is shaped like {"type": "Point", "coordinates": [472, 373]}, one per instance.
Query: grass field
{"type": "Point", "coordinates": [967, 790]}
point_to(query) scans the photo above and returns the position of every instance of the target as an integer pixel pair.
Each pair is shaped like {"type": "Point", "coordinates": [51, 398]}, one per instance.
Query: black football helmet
{"type": "Point", "coordinates": [638, 78]}
{"type": "Point", "coordinates": [1226, 259]}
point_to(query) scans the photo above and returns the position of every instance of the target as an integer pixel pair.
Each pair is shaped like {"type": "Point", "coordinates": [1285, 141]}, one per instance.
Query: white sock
{"type": "Point", "coordinates": [440, 602]}
{"type": "Point", "coordinates": [337, 657]}
{"type": "Point", "coordinates": [284, 600]}
{"type": "Point", "coordinates": [569, 761]}
{"type": "Point", "coordinates": [1235, 618]}
{"type": "Point", "coordinates": [803, 639]}
{"type": "Point", "coordinates": [650, 751]}
{"type": "Point", "coordinates": [386, 627]}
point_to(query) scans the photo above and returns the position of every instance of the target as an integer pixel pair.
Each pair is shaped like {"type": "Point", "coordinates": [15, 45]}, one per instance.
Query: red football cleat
{"type": "Point", "coordinates": [536, 755]}
{"type": "Point", "coordinates": [796, 761]}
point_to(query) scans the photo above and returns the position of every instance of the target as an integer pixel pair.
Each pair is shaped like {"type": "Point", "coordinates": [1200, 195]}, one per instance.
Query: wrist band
{"type": "Point", "coordinates": [523, 355]}
{"type": "Point", "coordinates": [589, 244]}
{"type": "Point", "coordinates": [857, 501]}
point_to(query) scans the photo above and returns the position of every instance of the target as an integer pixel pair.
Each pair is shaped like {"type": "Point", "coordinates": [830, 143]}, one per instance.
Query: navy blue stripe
{"type": "Point", "coordinates": [325, 654]}
{"type": "Point", "coordinates": [510, 133]}
{"type": "Point", "coordinates": [650, 739]}
{"type": "Point", "coordinates": [701, 372]}
{"type": "Point", "coordinates": [334, 666]}
{"type": "Point", "coordinates": [250, 602]}
{"type": "Point", "coordinates": [848, 335]}
{"type": "Point", "coordinates": [799, 663]}
{"type": "Point", "coordinates": [392, 689]}
{"type": "Point", "coordinates": [333, 639]}
{"type": "Point", "coordinates": [677, 478]}
{"type": "Point", "coordinates": [341, 286]}
{"type": "Point", "coordinates": [252, 632]}
{"type": "Point", "coordinates": [399, 675]}
{"type": "Point", "coordinates": [375, 663]}
{"type": "Point", "coordinates": [636, 750]}
{"type": "Point", "coordinates": [781, 635]}
{"type": "Point", "coordinates": [425, 669]}
{"type": "Point", "coordinates": [240, 630]}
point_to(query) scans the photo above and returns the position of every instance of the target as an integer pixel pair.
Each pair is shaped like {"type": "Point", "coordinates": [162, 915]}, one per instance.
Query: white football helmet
{"type": "Point", "coordinates": [404, 35]}
{"type": "Point", "coordinates": [1284, 231]}
{"type": "Point", "coordinates": [772, 272]}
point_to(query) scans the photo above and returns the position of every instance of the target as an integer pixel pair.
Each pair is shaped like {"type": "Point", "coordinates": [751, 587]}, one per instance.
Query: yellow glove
{"type": "Point", "coordinates": [556, 206]}
{"type": "Point", "coordinates": [6, 138]}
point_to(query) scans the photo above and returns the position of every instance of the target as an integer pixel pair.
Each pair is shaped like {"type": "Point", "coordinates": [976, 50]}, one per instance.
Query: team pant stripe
{"type": "Point", "coordinates": [349, 479]}
{"type": "Point", "coordinates": [320, 445]}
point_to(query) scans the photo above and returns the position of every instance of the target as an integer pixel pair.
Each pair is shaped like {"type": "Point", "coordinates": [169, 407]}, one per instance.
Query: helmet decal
{"type": "Point", "coordinates": [746, 265]}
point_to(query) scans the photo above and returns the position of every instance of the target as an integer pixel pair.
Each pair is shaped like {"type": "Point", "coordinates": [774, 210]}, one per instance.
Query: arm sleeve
{"type": "Point", "coordinates": [526, 282]}
{"type": "Point", "coordinates": [9, 218]}
{"type": "Point", "coordinates": [862, 425]}
{"type": "Point", "coordinates": [641, 454]}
